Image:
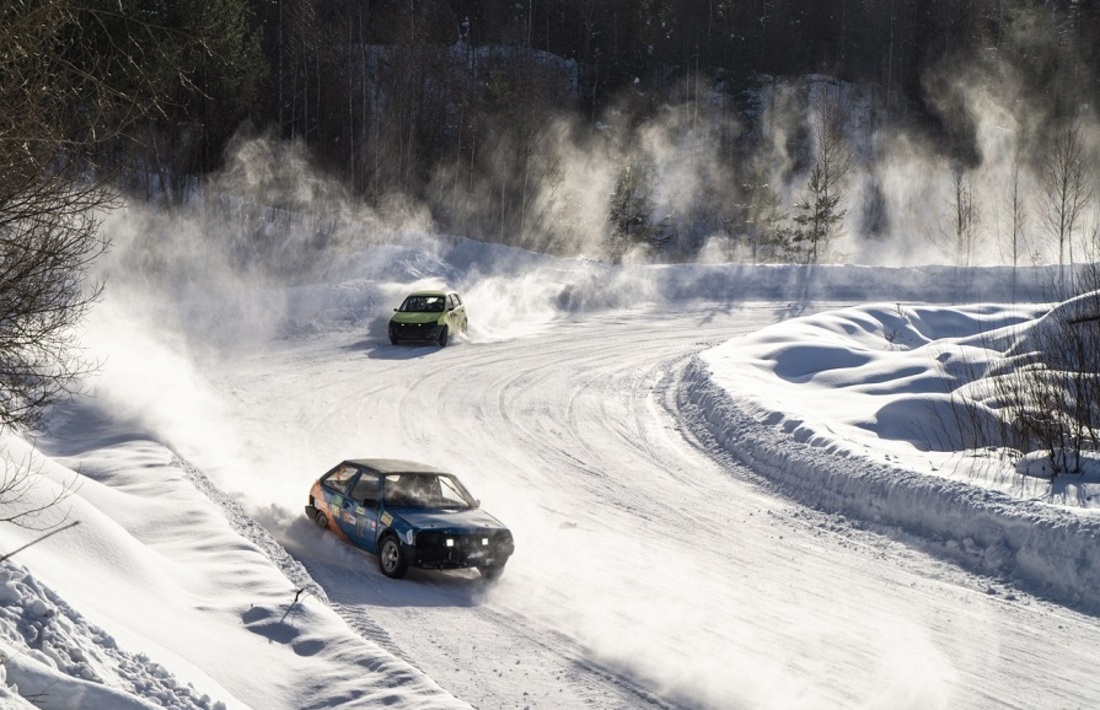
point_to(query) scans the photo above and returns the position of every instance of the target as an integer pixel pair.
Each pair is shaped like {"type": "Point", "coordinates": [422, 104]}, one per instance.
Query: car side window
{"type": "Point", "coordinates": [366, 490]}
{"type": "Point", "coordinates": [457, 300]}
{"type": "Point", "coordinates": [340, 477]}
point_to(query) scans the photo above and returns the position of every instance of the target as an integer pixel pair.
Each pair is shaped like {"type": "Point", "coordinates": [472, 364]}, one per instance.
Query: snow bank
{"type": "Point", "coordinates": [789, 427]}
{"type": "Point", "coordinates": [54, 657]}
{"type": "Point", "coordinates": [185, 601]}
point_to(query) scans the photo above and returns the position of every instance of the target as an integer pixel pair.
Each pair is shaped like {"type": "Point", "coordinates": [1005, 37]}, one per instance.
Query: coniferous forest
{"type": "Point", "coordinates": [763, 130]}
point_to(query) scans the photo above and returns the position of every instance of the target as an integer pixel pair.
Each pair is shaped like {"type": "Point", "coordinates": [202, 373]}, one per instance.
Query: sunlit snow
{"type": "Point", "coordinates": [730, 486]}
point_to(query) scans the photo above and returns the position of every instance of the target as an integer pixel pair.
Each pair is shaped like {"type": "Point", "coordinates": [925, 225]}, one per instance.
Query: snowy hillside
{"type": "Point", "coordinates": [718, 477]}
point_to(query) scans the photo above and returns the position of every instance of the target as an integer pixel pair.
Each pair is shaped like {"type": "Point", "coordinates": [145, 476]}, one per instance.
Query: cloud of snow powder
{"type": "Point", "coordinates": [271, 249]}
{"type": "Point", "coordinates": [698, 165]}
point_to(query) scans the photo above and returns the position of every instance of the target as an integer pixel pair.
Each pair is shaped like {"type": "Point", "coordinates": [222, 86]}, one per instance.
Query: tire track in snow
{"type": "Point", "coordinates": [669, 552]}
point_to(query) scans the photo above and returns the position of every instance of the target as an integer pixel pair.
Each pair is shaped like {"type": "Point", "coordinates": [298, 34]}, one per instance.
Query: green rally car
{"type": "Point", "coordinates": [428, 316]}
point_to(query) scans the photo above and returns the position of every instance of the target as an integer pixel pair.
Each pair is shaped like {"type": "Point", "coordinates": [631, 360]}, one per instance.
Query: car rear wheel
{"type": "Point", "coordinates": [391, 560]}
{"type": "Point", "coordinates": [443, 337]}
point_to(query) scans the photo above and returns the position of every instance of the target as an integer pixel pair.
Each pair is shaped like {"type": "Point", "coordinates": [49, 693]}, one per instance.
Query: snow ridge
{"type": "Point", "coordinates": [247, 527]}
{"type": "Point", "coordinates": [1050, 551]}
{"type": "Point", "coordinates": [50, 656]}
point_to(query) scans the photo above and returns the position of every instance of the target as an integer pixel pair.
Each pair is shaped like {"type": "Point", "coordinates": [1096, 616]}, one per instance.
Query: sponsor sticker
{"type": "Point", "coordinates": [360, 510]}
{"type": "Point", "coordinates": [349, 518]}
{"type": "Point", "coordinates": [387, 518]}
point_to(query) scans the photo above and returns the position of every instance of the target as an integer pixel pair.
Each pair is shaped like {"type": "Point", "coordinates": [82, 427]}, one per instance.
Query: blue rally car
{"type": "Point", "coordinates": [409, 514]}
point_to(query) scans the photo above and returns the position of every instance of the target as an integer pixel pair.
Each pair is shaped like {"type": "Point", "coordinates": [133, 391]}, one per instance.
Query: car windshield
{"type": "Point", "coordinates": [422, 304]}
{"type": "Point", "coordinates": [431, 491]}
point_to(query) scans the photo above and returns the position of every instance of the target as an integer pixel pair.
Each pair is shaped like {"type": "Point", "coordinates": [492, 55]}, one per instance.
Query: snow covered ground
{"type": "Point", "coordinates": [719, 478]}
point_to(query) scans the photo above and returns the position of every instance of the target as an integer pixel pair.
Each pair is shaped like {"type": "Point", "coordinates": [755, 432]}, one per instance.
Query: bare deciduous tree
{"type": "Point", "coordinates": [1054, 404]}
{"type": "Point", "coordinates": [50, 191]}
{"type": "Point", "coordinates": [68, 94]}
{"type": "Point", "coordinates": [964, 208]}
{"type": "Point", "coordinates": [1066, 186]}
{"type": "Point", "coordinates": [1044, 392]}
{"type": "Point", "coordinates": [1017, 214]}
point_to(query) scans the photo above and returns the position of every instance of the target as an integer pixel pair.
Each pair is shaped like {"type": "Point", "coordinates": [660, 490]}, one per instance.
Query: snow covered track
{"type": "Point", "coordinates": [653, 569]}
{"type": "Point", "coordinates": [648, 573]}
{"type": "Point", "coordinates": [1049, 551]}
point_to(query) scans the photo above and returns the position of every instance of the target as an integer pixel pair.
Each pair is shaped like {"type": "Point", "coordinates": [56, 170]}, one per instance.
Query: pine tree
{"type": "Point", "coordinates": [817, 218]}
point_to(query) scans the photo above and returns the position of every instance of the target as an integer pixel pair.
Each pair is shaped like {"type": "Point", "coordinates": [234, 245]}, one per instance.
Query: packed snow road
{"type": "Point", "coordinates": [650, 571]}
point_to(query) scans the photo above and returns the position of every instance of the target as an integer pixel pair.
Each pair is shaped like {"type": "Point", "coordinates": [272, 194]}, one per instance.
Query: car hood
{"type": "Point", "coordinates": [416, 317]}
{"type": "Point", "coordinates": [456, 520]}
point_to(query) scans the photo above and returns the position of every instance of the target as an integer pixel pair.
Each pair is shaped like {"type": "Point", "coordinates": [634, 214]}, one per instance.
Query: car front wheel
{"type": "Point", "coordinates": [321, 519]}
{"type": "Point", "coordinates": [390, 558]}
{"type": "Point", "coordinates": [443, 337]}
{"type": "Point", "coordinates": [491, 573]}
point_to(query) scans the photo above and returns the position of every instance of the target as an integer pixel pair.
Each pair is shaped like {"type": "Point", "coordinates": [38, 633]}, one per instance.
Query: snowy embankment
{"type": "Point", "coordinates": [843, 424]}
{"type": "Point", "coordinates": [167, 594]}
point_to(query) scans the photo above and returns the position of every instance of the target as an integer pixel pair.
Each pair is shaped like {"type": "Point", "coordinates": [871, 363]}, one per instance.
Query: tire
{"type": "Point", "coordinates": [443, 337]}
{"type": "Point", "coordinates": [391, 560]}
{"type": "Point", "coordinates": [393, 340]}
{"type": "Point", "coordinates": [491, 574]}
{"type": "Point", "coordinates": [465, 325]}
{"type": "Point", "coordinates": [320, 519]}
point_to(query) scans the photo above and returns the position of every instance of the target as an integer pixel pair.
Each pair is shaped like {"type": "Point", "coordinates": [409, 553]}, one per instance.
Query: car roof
{"type": "Point", "coordinates": [431, 292]}
{"type": "Point", "coordinates": [394, 466]}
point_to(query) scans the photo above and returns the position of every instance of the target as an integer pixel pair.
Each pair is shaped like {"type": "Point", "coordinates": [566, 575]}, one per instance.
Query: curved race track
{"type": "Point", "coordinates": [650, 572]}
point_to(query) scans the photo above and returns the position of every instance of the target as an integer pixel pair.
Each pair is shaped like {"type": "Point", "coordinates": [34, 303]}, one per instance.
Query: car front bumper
{"type": "Point", "coordinates": [415, 331]}
{"type": "Point", "coordinates": [470, 550]}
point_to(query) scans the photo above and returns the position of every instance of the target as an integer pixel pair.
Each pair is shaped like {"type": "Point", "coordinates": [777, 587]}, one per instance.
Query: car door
{"type": "Point", "coordinates": [341, 507]}
{"type": "Point", "coordinates": [334, 491]}
{"type": "Point", "coordinates": [456, 312]}
{"type": "Point", "coordinates": [359, 517]}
